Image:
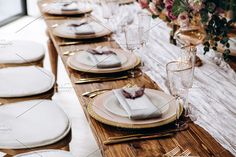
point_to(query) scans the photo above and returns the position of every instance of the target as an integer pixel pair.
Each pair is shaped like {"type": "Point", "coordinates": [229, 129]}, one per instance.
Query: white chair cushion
{"type": "Point", "coordinates": [30, 124]}
{"type": "Point", "coordinates": [25, 81]}
{"type": "Point", "coordinates": [20, 51]}
{"type": "Point", "coordinates": [46, 153]}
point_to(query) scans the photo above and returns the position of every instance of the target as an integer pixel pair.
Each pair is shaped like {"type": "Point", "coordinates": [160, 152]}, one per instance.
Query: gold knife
{"type": "Point", "coordinates": [94, 91]}
{"type": "Point", "coordinates": [181, 128]}
{"type": "Point", "coordinates": [115, 141]}
{"type": "Point", "coordinates": [100, 79]}
{"type": "Point", "coordinates": [70, 43]}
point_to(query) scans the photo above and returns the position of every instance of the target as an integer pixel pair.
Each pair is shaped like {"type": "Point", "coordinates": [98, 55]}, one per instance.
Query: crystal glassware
{"type": "Point", "coordinates": [109, 8]}
{"type": "Point", "coordinates": [132, 40]}
{"type": "Point", "coordinates": [180, 79]}
{"type": "Point", "coordinates": [144, 21]}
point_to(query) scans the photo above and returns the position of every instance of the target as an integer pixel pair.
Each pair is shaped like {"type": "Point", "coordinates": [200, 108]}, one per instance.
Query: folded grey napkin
{"type": "Point", "coordinates": [104, 58]}
{"type": "Point", "coordinates": [83, 28]}
{"type": "Point", "coordinates": [72, 6]}
{"type": "Point", "coordinates": [138, 108]}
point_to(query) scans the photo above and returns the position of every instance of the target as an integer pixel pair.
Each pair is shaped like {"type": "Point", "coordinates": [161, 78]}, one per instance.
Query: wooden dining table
{"type": "Point", "coordinates": [195, 138]}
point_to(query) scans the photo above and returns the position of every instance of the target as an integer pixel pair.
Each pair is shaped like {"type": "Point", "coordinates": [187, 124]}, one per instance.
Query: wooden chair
{"type": "Point", "coordinates": [36, 63]}
{"type": "Point", "coordinates": [7, 94]}
{"type": "Point", "coordinates": [46, 95]}
{"type": "Point", "coordinates": [46, 152]}
{"type": "Point", "coordinates": [62, 136]}
{"type": "Point", "coordinates": [63, 144]}
{"type": "Point", "coordinates": [21, 53]}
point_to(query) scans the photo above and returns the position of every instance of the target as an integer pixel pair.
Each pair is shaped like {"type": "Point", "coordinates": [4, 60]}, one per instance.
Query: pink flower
{"type": "Point", "coordinates": [169, 6]}
{"type": "Point", "coordinates": [171, 15]}
{"type": "Point", "coordinates": [156, 2]}
{"type": "Point", "coordinates": [183, 19]}
{"type": "Point", "coordinates": [143, 3]}
{"type": "Point", "coordinates": [169, 2]}
{"type": "Point", "coordinates": [196, 5]}
{"type": "Point", "coordinates": [153, 8]}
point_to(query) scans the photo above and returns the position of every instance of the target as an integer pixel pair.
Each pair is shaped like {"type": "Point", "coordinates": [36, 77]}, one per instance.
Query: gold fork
{"type": "Point", "coordinates": [103, 79]}
{"type": "Point", "coordinates": [172, 152]}
{"type": "Point", "coordinates": [96, 92]}
{"type": "Point", "coordinates": [87, 94]}
{"type": "Point", "coordinates": [186, 153]}
{"type": "Point", "coordinates": [71, 52]}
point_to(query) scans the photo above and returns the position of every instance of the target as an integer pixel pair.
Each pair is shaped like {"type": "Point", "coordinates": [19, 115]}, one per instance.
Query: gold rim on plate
{"type": "Point", "coordinates": [105, 71]}
{"type": "Point", "coordinates": [46, 9]}
{"type": "Point", "coordinates": [70, 35]}
{"type": "Point", "coordinates": [130, 126]}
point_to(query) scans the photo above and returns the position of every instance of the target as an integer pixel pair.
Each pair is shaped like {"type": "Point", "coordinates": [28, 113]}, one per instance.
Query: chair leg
{"type": "Point", "coordinates": [66, 148]}
{"type": "Point", "coordinates": [53, 56]}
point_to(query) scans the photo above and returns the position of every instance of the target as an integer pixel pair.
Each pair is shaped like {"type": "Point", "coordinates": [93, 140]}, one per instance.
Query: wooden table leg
{"type": "Point", "coordinates": [53, 56]}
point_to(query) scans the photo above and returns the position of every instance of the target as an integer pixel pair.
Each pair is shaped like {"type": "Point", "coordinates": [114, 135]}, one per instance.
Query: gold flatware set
{"type": "Point", "coordinates": [72, 43]}
{"type": "Point", "coordinates": [71, 52]}
{"type": "Point", "coordinates": [92, 94]}
{"type": "Point", "coordinates": [131, 137]}
{"type": "Point", "coordinates": [177, 150]}
{"type": "Point", "coordinates": [103, 79]}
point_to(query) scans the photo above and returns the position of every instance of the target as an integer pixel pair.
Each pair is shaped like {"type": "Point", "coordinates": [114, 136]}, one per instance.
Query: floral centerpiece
{"type": "Point", "coordinates": [208, 14]}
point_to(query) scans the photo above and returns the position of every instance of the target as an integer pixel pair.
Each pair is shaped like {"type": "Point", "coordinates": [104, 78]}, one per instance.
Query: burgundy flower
{"type": "Point", "coordinates": [171, 15]}
{"type": "Point", "coordinates": [143, 3]}
{"type": "Point", "coordinates": [169, 6]}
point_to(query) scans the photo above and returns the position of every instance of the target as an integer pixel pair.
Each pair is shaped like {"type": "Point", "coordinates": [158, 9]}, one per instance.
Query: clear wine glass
{"type": "Point", "coordinates": [110, 8]}
{"type": "Point", "coordinates": [180, 79]}
{"type": "Point", "coordinates": [132, 39]}
{"type": "Point", "coordinates": [144, 21]}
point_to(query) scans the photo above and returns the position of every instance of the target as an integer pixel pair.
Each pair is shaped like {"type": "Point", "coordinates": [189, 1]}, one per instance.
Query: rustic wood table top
{"type": "Point", "coordinates": [196, 139]}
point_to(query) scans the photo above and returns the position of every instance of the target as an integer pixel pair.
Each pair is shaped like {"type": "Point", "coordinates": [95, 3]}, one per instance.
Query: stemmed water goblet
{"type": "Point", "coordinates": [188, 37]}
{"type": "Point", "coordinates": [144, 21]}
{"type": "Point", "coordinates": [180, 78]}
{"type": "Point", "coordinates": [132, 40]}
{"type": "Point", "coordinates": [110, 8]}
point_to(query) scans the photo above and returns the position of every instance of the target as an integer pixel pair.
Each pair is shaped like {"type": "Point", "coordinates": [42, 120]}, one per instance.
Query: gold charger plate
{"type": "Point", "coordinates": [132, 61]}
{"type": "Point", "coordinates": [55, 9]}
{"type": "Point", "coordinates": [66, 31]}
{"type": "Point", "coordinates": [97, 110]}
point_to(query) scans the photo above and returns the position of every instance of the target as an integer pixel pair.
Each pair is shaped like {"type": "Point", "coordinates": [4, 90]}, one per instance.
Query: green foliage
{"type": "Point", "coordinates": [204, 16]}
{"type": "Point", "coordinates": [217, 30]}
{"type": "Point", "coordinates": [179, 6]}
{"type": "Point", "coordinates": [154, 16]}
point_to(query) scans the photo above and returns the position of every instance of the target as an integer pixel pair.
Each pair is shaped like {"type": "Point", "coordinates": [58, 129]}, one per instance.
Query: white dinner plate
{"type": "Point", "coordinates": [161, 101]}
{"type": "Point", "coordinates": [83, 58]}
{"type": "Point", "coordinates": [80, 62]}
{"type": "Point", "coordinates": [101, 111]}
{"type": "Point", "coordinates": [56, 9]}
{"type": "Point", "coordinates": [65, 30]}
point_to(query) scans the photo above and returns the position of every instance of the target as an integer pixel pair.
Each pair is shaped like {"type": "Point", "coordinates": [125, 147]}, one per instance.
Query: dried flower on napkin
{"type": "Point", "coordinates": [96, 52]}
{"type": "Point", "coordinates": [66, 4]}
{"type": "Point", "coordinates": [138, 93]}
{"type": "Point", "coordinates": [77, 24]}
{"type": "Point", "coordinates": [70, 6]}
